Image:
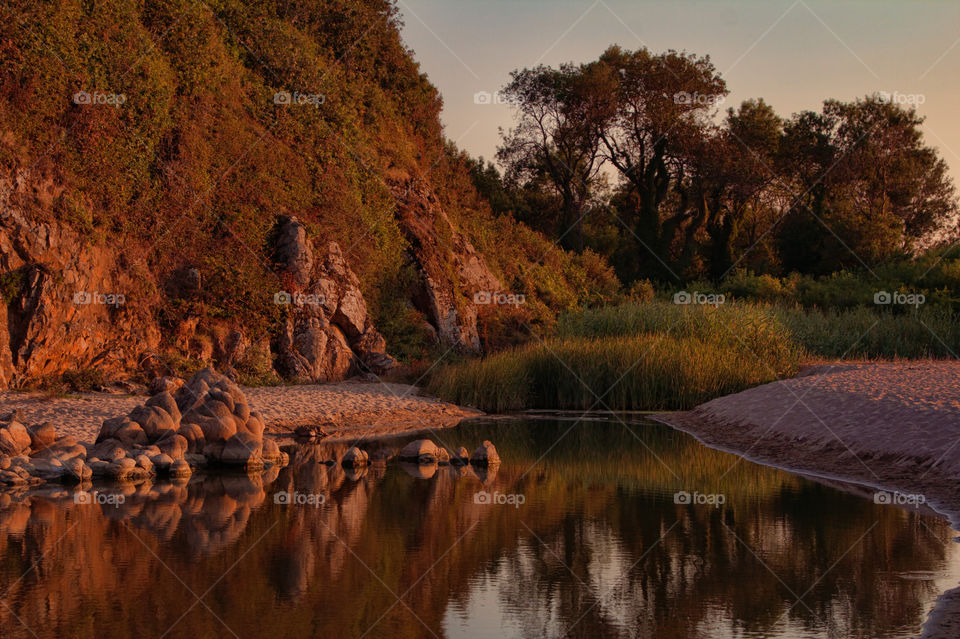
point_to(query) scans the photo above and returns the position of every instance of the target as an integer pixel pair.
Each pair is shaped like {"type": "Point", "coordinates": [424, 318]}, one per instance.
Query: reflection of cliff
{"type": "Point", "coordinates": [587, 545]}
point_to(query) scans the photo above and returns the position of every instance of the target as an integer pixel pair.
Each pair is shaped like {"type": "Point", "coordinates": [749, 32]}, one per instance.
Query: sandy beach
{"type": "Point", "coordinates": [891, 426]}
{"type": "Point", "coordinates": [361, 408]}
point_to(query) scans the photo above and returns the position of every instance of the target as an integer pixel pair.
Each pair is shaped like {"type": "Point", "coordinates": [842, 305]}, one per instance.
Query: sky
{"type": "Point", "coordinates": [793, 53]}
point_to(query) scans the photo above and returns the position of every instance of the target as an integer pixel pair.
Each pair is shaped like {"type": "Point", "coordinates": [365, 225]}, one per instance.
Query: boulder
{"type": "Point", "coordinates": [217, 429]}
{"type": "Point", "coordinates": [107, 450]}
{"type": "Point", "coordinates": [242, 411]}
{"type": "Point", "coordinates": [194, 436]}
{"type": "Point", "coordinates": [174, 445]}
{"type": "Point", "coordinates": [63, 449]}
{"type": "Point", "coordinates": [131, 434]}
{"type": "Point", "coordinates": [485, 455]}
{"type": "Point", "coordinates": [254, 425]}
{"type": "Point", "coordinates": [162, 462]}
{"type": "Point", "coordinates": [166, 401]}
{"type": "Point", "coordinates": [47, 469]}
{"type": "Point", "coordinates": [122, 469]}
{"type": "Point", "coordinates": [377, 363]}
{"type": "Point", "coordinates": [443, 456]}
{"type": "Point", "coordinates": [76, 471]}
{"type": "Point", "coordinates": [144, 462]}
{"type": "Point", "coordinates": [14, 438]}
{"type": "Point", "coordinates": [462, 456]}
{"type": "Point", "coordinates": [165, 385]}
{"type": "Point", "coordinates": [243, 449]}
{"type": "Point", "coordinates": [220, 395]}
{"type": "Point", "coordinates": [98, 467]}
{"type": "Point", "coordinates": [271, 451]}
{"type": "Point", "coordinates": [355, 458]}
{"type": "Point", "coordinates": [422, 451]}
{"type": "Point", "coordinates": [110, 427]}
{"type": "Point", "coordinates": [42, 435]}
{"type": "Point", "coordinates": [155, 421]}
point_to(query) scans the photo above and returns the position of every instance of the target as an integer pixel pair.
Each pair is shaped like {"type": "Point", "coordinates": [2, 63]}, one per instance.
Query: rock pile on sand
{"type": "Point", "coordinates": [32, 455]}
{"type": "Point", "coordinates": [205, 421]}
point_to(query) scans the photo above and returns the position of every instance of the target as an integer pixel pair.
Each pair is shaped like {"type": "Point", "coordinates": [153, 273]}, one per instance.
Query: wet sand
{"type": "Point", "coordinates": [892, 426]}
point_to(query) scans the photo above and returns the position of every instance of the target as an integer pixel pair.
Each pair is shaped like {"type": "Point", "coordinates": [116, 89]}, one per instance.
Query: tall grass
{"type": "Point", "coordinates": [662, 356]}
{"type": "Point", "coordinates": [851, 333]}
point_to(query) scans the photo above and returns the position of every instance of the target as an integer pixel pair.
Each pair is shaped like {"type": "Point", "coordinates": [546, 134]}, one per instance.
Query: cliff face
{"type": "Point", "coordinates": [70, 304]}
{"type": "Point", "coordinates": [168, 168]}
{"type": "Point", "coordinates": [75, 304]}
{"type": "Point", "coordinates": [451, 270]}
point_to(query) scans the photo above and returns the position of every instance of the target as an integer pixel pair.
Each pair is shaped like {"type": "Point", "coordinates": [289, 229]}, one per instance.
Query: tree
{"type": "Point", "coordinates": [746, 192]}
{"type": "Point", "coordinates": [663, 105]}
{"type": "Point", "coordinates": [868, 189]}
{"type": "Point", "coordinates": [555, 139]}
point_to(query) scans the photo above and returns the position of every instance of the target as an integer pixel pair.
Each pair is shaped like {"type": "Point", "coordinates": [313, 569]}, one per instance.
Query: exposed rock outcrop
{"type": "Point", "coordinates": [447, 302]}
{"type": "Point", "coordinates": [74, 303]}
{"type": "Point", "coordinates": [329, 334]}
{"type": "Point", "coordinates": [66, 297]}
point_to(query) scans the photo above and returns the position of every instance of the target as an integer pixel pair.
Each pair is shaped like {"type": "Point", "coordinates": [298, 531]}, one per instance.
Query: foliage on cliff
{"type": "Point", "coordinates": [178, 131]}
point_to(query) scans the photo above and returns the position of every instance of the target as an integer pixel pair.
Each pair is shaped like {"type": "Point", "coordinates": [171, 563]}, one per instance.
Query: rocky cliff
{"type": "Point", "coordinates": [70, 303]}
{"type": "Point", "coordinates": [264, 187]}
{"type": "Point", "coordinates": [451, 271]}
{"type": "Point", "coordinates": [74, 304]}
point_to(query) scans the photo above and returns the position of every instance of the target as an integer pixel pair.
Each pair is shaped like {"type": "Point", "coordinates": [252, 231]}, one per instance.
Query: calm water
{"type": "Point", "coordinates": [597, 548]}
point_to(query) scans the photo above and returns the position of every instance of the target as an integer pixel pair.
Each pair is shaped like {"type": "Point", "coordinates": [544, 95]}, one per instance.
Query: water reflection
{"type": "Point", "coordinates": [597, 548]}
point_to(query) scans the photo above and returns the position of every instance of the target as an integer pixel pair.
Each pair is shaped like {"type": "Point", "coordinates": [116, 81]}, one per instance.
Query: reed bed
{"type": "Point", "coordinates": [663, 356]}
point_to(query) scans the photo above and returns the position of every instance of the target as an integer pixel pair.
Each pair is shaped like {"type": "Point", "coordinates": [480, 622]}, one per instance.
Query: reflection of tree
{"type": "Point", "coordinates": [598, 540]}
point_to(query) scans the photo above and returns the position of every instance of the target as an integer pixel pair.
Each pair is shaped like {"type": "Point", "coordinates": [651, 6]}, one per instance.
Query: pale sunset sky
{"type": "Point", "coordinates": [793, 54]}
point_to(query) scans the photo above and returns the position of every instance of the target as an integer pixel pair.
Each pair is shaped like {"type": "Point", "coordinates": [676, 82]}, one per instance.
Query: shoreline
{"type": "Point", "coordinates": [882, 425]}
{"type": "Point", "coordinates": [346, 409]}
{"type": "Point", "coordinates": [892, 427]}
